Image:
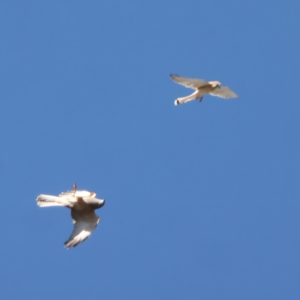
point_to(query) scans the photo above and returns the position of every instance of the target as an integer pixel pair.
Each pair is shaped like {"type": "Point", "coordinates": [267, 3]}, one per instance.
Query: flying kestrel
{"type": "Point", "coordinates": [202, 88]}
{"type": "Point", "coordinates": [82, 205]}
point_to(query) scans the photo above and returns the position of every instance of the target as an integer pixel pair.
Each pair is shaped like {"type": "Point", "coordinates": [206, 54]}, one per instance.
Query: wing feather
{"type": "Point", "coordinates": [189, 82]}
{"type": "Point", "coordinates": [84, 224]}
{"type": "Point", "coordinates": [49, 200]}
{"type": "Point", "coordinates": [78, 193]}
{"type": "Point", "coordinates": [224, 92]}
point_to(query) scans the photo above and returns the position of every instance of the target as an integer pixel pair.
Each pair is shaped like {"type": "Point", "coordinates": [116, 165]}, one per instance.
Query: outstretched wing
{"type": "Point", "coordinates": [224, 92]}
{"type": "Point", "coordinates": [48, 200]}
{"type": "Point", "coordinates": [78, 193]}
{"type": "Point", "coordinates": [189, 82]}
{"type": "Point", "coordinates": [84, 224]}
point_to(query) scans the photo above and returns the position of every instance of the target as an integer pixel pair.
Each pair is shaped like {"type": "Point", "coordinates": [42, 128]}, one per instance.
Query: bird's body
{"type": "Point", "coordinates": [202, 88]}
{"type": "Point", "coordinates": [82, 204]}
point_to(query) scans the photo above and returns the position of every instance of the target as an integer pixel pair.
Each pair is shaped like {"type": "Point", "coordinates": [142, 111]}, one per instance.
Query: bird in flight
{"type": "Point", "coordinates": [202, 88]}
{"type": "Point", "coordinates": [82, 204]}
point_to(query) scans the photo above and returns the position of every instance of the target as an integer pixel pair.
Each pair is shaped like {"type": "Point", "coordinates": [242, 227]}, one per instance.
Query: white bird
{"type": "Point", "coordinates": [202, 88]}
{"type": "Point", "coordinates": [82, 204]}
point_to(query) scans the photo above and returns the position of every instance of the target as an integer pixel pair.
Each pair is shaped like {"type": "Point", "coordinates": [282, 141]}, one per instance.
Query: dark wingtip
{"type": "Point", "coordinates": [69, 245]}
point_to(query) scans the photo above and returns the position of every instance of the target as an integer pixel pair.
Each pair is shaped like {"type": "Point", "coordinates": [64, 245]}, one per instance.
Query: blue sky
{"type": "Point", "coordinates": [202, 200]}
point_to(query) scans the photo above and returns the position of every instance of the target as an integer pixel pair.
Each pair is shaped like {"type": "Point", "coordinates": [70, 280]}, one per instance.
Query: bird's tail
{"type": "Point", "coordinates": [191, 97]}
{"type": "Point", "coordinates": [48, 200]}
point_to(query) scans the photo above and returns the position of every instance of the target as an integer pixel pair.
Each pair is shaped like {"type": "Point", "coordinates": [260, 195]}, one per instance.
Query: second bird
{"type": "Point", "coordinates": [202, 88]}
{"type": "Point", "coordinates": [82, 204]}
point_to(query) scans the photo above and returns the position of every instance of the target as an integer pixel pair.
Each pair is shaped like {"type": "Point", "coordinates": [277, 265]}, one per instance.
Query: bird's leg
{"type": "Point", "coordinates": [200, 99]}
{"type": "Point", "coordinates": [74, 186]}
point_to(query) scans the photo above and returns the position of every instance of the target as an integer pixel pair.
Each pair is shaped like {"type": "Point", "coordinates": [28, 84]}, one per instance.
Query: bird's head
{"type": "Point", "coordinates": [215, 84]}
{"type": "Point", "coordinates": [101, 203]}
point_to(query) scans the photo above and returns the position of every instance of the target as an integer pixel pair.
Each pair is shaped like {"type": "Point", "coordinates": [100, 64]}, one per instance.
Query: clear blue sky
{"type": "Point", "coordinates": [202, 200]}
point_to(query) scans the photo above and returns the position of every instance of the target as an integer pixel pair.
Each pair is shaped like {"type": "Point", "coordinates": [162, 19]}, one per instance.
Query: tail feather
{"type": "Point", "coordinates": [188, 98]}
{"type": "Point", "coordinates": [48, 200]}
